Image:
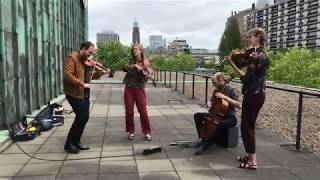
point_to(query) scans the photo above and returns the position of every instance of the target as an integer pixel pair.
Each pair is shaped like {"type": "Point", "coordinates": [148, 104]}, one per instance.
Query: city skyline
{"type": "Point", "coordinates": [201, 23]}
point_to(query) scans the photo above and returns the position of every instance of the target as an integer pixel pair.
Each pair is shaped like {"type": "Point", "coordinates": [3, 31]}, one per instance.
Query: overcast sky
{"type": "Point", "coordinates": [200, 22]}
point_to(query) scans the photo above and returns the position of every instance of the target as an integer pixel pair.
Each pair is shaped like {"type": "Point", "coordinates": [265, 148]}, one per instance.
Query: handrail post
{"type": "Point", "coordinates": [157, 74]}
{"type": "Point", "coordinates": [176, 88]}
{"type": "Point", "coordinates": [183, 79]}
{"type": "Point", "coordinates": [165, 77]}
{"type": "Point", "coordinates": [298, 137]}
{"type": "Point", "coordinates": [193, 75]}
{"type": "Point", "coordinates": [206, 97]}
{"type": "Point", "coordinates": [170, 79]}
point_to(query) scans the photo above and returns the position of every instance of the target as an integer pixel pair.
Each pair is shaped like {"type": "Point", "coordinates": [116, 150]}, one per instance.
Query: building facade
{"type": "Point", "coordinates": [291, 23]}
{"type": "Point", "coordinates": [178, 45]}
{"type": "Point", "coordinates": [135, 33]}
{"type": "Point", "coordinates": [157, 44]}
{"type": "Point", "coordinates": [200, 54]}
{"type": "Point", "coordinates": [107, 36]}
{"type": "Point", "coordinates": [241, 17]}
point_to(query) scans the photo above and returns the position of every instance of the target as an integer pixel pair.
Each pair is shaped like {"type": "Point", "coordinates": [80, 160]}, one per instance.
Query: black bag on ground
{"type": "Point", "coordinates": [50, 116]}
{"type": "Point", "coordinates": [24, 132]}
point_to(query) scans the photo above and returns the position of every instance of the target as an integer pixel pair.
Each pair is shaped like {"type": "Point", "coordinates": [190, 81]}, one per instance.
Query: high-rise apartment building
{"type": "Point", "coordinates": [157, 43]}
{"type": "Point", "coordinates": [107, 36]}
{"type": "Point", "coordinates": [291, 23]}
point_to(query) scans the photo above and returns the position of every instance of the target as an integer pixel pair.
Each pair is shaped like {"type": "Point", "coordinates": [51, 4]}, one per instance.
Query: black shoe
{"type": "Point", "coordinates": [71, 149]}
{"type": "Point", "coordinates": [82, 147]}
{"type": "Point", "coordinates": [202, 149]}
{"type": "Point", "coordinates": [198, 144]}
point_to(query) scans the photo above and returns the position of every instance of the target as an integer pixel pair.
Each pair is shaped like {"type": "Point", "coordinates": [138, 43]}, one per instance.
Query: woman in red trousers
{"type": "Point", "coordinates": [135, 93]}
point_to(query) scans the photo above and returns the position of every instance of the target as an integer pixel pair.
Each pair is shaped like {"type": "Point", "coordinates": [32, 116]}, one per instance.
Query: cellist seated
{"type": "Point", "coordinates": [228, 119]}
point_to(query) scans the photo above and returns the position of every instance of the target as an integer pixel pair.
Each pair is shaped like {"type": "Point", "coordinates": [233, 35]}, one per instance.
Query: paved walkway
{"type": "Point", "coordinates": [171, 122]}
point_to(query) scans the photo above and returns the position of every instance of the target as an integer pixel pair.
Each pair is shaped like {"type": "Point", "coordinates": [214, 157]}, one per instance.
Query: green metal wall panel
{"type": "Point", "coordinates": [35, 38]}
{"type": "Point", "coordinates": [2, 80]}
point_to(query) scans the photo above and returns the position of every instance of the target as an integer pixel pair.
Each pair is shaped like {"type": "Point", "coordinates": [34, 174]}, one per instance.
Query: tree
{"type": "Point", "coordinates": [157, 61]}
{"type": "Point", "coordinates": [113, 55]}
{"type": "Point", "coordinates": [296, 67]}
{"type": "Point", "coordinates": [180, 62]}
{"type": "Point", "coordinates": [231, 37]}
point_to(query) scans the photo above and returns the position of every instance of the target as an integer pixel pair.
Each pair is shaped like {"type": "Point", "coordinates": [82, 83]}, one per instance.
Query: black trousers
{"type": "Point", "coordinates": [81, 109]}
{"type": "Point", "coordinates": [227, 122]}
{"type": "Point", "coordinates": [251, 105]}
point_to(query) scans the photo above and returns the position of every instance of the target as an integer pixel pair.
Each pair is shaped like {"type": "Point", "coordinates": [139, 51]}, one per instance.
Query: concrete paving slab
{"type": "Point", "coordinates": [157, 165]}
{"type": "Point", "coordinates": [119, 176]}
{"type": "Point", "coordinates": [10, 170]}
{"type": "Point", "coordinates": [50, 177]}
{"type": "Point", "coordinates": [80, 167]}
{"type": "Point", "coordinates": [199, 174]}
{"type": "Point", "coordinates": [128, 166]}
{"type": "Point", "coordinates": [189, 164]}
{"type": "Point", "coordinates": [159, 175]}
{"type": "Point", "coordinates": [43, 169]}
{"type": "Point", "coordinates": [77, 177]}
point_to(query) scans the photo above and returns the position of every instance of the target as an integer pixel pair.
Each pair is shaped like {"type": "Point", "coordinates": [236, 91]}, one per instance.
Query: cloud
{"type": "Point", "coordinates": [200, 22]}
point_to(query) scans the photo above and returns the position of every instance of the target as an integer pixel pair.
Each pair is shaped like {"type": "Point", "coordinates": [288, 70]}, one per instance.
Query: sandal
{"type": "Point", "coordinates": [148, 137]}
{"type": "Point", "coordinates": [130, 136]}
{"type": "Point", "coordinates": [246, 165]}
{"type": "Point", "coordinates": [244, 158]}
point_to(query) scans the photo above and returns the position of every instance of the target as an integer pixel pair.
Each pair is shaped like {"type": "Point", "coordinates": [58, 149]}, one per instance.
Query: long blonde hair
{"type": "Point", "coordinates": [258, 32]}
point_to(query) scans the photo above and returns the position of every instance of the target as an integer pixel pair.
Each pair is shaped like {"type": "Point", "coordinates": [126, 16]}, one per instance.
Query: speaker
{"type": "Point", "coordinates": [227, 137]}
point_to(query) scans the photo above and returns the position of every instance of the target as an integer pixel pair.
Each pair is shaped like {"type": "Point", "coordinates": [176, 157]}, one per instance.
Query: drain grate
{"type": "Point", "coordinates": [175, 100]}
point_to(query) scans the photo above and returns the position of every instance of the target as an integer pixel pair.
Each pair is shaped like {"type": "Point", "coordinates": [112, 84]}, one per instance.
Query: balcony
{"type": "Point", "coordinates": [274, 9]}
{"type": "Point", "coordinates": [273, 15]}
{"type": "Point", "coordinates": [291, 18]}
{"type": "Point", "coordinates": [274, 22]}
{"type": "Point", "coordinates": [313, 4]}
{"type": "Point", "coordinates": [291, 11]}
{"type": "Point", "coordinates": [291, 31]}
{"type": "Point", "coordinates": [290, 39]}
{"type": "Point", "coordinates": [312, 12]}
{"type": "Point", "coordinates": [273, 28]}
{"type": "Point", "coordinates": [291, 3]}
{"type": "Point", "coordinates": [273, 34]}
{"type": "Point", "coordinates": [291, 24]}
{"type": "Point", "coordinates": [311, 43]}
{"type": "Point", "coordinates": [312, 27]}
{"type": "Point", "coordinates": [313, 19]}
{"type": "Point", "coordinates": [290, 45]}
{"type": "Point", "coordinates": [312, 35]}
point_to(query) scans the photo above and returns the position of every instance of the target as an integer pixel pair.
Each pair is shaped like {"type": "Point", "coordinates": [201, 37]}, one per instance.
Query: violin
{"type": "Point", "coordinates": [147, 71]}
{"type": "Point", "coordinates": [96, 65]}
{"type": "Point", "coordinates": [241, 58]}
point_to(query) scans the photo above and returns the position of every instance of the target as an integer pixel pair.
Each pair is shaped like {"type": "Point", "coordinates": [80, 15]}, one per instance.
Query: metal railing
{"type": "Point", "coordinates": [301, 91]}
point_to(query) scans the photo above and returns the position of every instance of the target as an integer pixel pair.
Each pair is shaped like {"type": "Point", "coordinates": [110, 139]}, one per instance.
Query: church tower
{"type": "Point", "coordinates": [135, 33]}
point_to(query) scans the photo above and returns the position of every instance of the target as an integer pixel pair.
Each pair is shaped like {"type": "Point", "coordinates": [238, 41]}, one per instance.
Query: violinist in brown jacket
{"type": "Point", "coordinates": [76, 80]}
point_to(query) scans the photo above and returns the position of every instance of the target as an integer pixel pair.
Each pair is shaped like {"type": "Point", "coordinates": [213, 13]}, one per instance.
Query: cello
{"type": "Point", "coordinates": [218, 109]}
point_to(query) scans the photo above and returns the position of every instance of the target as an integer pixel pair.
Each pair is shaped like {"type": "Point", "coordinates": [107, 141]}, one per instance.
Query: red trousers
{"type": "Point", "coordinates": [136, 96]}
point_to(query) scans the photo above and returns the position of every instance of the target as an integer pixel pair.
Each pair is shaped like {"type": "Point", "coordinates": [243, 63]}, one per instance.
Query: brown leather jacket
{"type": "Point", "coordinates": [73, 79]}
